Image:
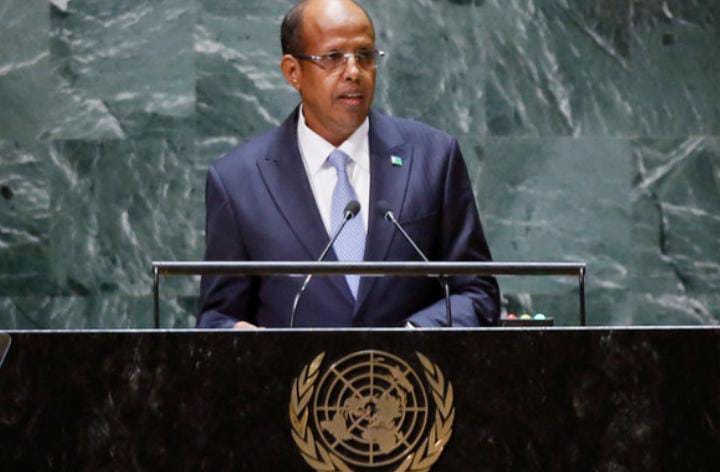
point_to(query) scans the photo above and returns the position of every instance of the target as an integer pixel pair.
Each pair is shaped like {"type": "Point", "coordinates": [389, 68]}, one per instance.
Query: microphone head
{"type": "Point", "coordinates": [383, 209]}
{"type": "Point", "coordinates": [352, 209]}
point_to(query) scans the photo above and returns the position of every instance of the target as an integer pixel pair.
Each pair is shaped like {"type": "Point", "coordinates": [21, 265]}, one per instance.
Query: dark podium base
{"type": "Point", "coordinates": [525, 399]}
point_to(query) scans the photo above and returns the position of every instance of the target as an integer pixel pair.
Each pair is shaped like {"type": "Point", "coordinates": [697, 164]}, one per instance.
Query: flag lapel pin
{"type": "Point", "coordinates": [396, 161]}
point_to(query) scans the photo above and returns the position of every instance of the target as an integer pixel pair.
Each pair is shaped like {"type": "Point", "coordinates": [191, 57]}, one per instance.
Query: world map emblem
{"type": "Point", "coordinates": [371, 410]}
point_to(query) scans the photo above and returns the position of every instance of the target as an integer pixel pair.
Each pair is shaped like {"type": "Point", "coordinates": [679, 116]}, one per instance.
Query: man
{"type": "Point", "coordinates": [280, 195]}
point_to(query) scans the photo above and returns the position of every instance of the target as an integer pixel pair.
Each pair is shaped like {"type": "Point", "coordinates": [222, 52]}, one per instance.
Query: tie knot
{"type": "Point", "coordinates": [338, 160]}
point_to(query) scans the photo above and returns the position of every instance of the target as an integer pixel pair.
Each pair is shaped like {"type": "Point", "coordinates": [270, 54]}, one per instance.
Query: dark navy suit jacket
{"type": "Point", "coordinates": [260, 207]}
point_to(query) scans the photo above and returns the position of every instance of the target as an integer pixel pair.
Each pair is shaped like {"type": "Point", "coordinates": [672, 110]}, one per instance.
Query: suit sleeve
{"type": "Point", "coordinates": [475, 300]}
{"type": "Point", "coordinates": [224, 300]}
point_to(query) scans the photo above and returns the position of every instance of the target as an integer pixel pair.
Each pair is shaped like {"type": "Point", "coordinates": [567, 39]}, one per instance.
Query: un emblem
{"type": "Point", "coordinates": [370, 409]}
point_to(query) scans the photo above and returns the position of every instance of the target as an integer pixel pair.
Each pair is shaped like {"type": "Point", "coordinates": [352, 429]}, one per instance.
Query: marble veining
{"type": "Point", "coordinates": [590, 130]}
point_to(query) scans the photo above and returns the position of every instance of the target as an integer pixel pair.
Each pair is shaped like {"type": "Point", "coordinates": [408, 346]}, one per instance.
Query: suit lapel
{"type": "Point", "coordinates": [388, 182]}
{"type": "Point", "coordinates": [284, 175]}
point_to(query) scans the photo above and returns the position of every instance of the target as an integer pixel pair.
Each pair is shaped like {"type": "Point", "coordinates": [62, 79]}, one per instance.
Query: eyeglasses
{"type": "Point", "coordinates": [365, 58]}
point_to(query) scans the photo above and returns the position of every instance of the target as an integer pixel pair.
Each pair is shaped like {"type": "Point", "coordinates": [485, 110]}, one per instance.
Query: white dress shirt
{"type": "Point", "coordinates": [323, 176]}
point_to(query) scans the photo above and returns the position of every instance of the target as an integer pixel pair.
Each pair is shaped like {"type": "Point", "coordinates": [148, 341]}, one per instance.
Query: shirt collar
{"type": "Point", "coordinates": [316, 149]}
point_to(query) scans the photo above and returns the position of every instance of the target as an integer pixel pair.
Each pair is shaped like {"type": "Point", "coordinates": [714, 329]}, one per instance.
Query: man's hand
{"type": "Point", "coordinates": [245, 325]}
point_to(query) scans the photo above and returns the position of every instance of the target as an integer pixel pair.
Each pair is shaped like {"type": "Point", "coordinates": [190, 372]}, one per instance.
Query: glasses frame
{"type": "Point", "coordinates": [317, 59]}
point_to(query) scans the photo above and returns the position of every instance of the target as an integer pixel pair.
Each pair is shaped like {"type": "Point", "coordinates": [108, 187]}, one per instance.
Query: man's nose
{"type": "Point", "coordinates": [351, 69]}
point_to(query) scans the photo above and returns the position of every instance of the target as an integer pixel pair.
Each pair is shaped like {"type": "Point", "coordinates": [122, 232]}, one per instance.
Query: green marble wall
{"type": "Point", "coordinates": [591, 129]}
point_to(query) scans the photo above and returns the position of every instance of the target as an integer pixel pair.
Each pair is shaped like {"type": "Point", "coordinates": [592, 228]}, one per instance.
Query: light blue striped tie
{"type": "Point", "coordinates": [350, 245]}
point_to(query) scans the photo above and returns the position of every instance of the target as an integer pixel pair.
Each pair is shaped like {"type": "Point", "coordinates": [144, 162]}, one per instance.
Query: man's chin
{"type": "Point", "coordinates": [353, 117]}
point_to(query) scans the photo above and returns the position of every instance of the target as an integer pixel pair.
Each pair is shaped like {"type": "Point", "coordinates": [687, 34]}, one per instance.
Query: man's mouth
{"type": "Point", "coordinates": [351, 98]}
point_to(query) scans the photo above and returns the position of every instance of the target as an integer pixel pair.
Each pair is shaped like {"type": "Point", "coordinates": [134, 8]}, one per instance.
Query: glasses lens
{"type": "Point", "coordinates": [366, 59]}
{"type": "Point", "coordinates": [332, 60]}
{"type": "Point", "coordinates": [377, 57]}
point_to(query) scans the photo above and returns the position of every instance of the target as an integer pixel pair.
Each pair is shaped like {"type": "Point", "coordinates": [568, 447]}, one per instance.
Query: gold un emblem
{"type": "Point", "coordinates": [370, 409]}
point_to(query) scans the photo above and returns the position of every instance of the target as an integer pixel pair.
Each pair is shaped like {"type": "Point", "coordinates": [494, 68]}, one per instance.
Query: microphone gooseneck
{"type": "Point", "coordinates": [351, 210]}
{"type": "Point", "coordinates": [383, 208]}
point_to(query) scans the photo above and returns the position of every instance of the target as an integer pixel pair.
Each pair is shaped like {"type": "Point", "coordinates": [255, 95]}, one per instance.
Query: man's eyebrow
{"type": "Point", "coordinates": [365, 47]}
{"type": "Point", "coordinates": [358, 42]}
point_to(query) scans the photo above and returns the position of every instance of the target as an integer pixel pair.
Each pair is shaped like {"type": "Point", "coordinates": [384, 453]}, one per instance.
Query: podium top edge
{"type": "Point", "coordinates": [367, 268]}
{"type": "Point", "coordinates": [496, 330]}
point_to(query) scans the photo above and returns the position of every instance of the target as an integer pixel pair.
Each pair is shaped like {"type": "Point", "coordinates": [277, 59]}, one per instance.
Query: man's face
{"type": "Point", "coordinates": [335, 102]}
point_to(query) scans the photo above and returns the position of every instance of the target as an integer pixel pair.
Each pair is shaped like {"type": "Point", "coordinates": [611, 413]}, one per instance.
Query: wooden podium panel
{"type": "Point", "coordinates": [523, 399]}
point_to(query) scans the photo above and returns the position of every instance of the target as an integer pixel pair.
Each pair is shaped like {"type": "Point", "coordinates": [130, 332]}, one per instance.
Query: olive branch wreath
{"type": "Point", "coordinates": [319, 458]}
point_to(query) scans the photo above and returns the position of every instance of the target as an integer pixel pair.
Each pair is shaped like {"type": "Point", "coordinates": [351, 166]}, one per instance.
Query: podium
{"type": "Point", "coordinates": [511, 399]}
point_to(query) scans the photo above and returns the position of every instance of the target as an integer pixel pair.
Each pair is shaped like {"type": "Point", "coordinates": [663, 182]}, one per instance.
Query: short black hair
{"type": "Point", "coordinates": [291, 39]}
{"type": "Point", "coordinates": [291, 29]}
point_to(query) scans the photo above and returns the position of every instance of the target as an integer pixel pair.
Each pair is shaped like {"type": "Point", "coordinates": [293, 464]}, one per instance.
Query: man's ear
{"type": "Point", "coordinates": [290, 67]}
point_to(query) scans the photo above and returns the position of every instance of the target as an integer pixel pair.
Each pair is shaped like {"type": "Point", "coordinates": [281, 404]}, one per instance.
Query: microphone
{"type": "Point", "coordinates": [351, 210]}
{"type": "Point", "coordinates": [383, 209]}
